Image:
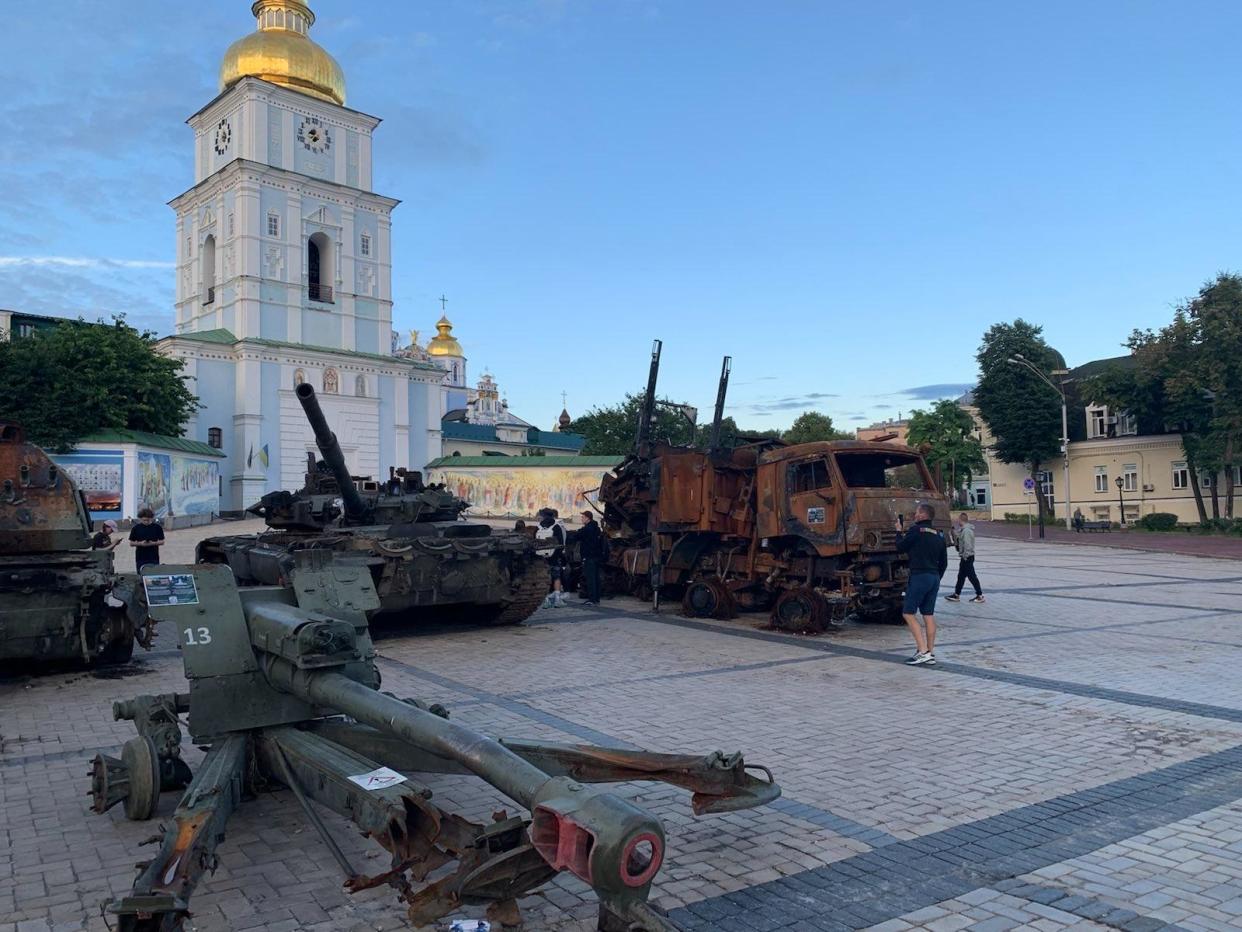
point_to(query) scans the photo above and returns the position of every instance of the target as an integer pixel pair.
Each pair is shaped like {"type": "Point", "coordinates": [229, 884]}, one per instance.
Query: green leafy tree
{"type": "Point", "coordinates": [67, 382]}
{"type": "Point", "coordinates": [1215, 374]}
{"type": "Point", "coordinates": [609, 431]}
{"type": "Point", "coordinates": [811, 427]}
{"type": "Point", "coordinates": [947, 434]}
{"type": "Point", "coordinates": [1022, 412]}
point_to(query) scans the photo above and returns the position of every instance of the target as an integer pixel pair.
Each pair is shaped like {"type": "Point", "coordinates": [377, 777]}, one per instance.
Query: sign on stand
{"type": "Point", "coordinates": [1028, 489]}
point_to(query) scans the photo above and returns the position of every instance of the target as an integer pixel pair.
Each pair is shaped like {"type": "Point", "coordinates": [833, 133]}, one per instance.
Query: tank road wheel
{"type": "Point", "coordinates": [708, 598]}
{"type": "Point", "coordinates": [801, 611]}
{"type": "Point", "coordinates": [143, 764]}
{"type": "Point", "coordinates": [526, 594]}
{"type": "Point", "coordinates": [116, 640]}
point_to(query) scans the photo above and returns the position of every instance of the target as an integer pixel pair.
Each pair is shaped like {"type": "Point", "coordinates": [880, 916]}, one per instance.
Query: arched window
{"type": "Point", "coordinates": [360, 386]}
{"type": "Point", "coordinates": [209, 269]}
{"type": "Point", "coordinates": [331, 382]}
{"type": "Point", "coordinates": [215, 437]}
{"type": "Point", "coordinates": [298, 377]}
{"type": "Point", "coordinates": [319, 268]}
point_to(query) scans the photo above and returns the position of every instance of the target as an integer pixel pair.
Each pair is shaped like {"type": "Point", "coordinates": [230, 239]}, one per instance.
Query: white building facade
{"type": "Point", "coordinates": [284, 273]}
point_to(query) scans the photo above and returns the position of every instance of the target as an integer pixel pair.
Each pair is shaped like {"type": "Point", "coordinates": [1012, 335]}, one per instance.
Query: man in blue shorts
{"type": "Point", "coordinates": [929, 558]}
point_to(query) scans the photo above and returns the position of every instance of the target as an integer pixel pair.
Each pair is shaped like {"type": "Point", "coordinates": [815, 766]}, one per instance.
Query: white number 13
{"type": "Point", "coordinates": [195, 637]}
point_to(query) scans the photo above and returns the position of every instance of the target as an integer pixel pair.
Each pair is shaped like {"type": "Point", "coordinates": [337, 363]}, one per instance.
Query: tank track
{"type": "Point", "coordinates": [528, 595]}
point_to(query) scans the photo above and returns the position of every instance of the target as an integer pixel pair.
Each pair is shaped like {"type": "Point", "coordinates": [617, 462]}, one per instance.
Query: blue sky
{"type": "Point", "coordinates": [842, 196]}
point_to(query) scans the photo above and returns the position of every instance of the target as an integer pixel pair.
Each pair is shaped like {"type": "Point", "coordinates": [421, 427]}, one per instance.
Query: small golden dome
{"type": "Point", "coordinates": [281, 52]}
{"type": "Point", "coordinates": [444, 343]}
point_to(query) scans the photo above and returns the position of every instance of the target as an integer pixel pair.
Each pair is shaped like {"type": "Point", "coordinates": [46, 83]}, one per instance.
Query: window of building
{"type": "Point", "coordinates": [364, 244]}
{"type": "Point", "coordinates": [215, 437]}
{"type": "Point", "coordinates": [273, 223]}
{"type": "Point", "coordinates": [1237, 475]}
{"type": "Point", "coordinates": [331, 382]}
{"type": "Point", "coordinates": [1181, 476]}
{"type": "Point", "coordinates": [319, 265]}
{"type": "Point", "coordinates": [1046, 486]}
{"type": "Point", "coordinates": [981, 496]}
{"type": "Point", "coordinates": [1127, 424]}
{"type": "Point", "coordinates": [1129, 473]}
{"type": "Point", "coordinates": [209, 269]}
{"type": "Point", "coordinates": [1206, 478]}
{"type": "Point", "coordinates": [1097, 422]}
{"type": "Point", "coordinates": [360, 386]}
{"type": "Point", "coordinates": [1101, 478]}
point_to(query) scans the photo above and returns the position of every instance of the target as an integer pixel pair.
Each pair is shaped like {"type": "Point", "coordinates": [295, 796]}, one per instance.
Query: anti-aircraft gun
{"type": "Point", "coordinates": [408, 533]}
{"type": "Point", "coordinates": [58, 597]}
{"type": "Point", "coordinates": [805, 531]}
{"type": "Point", "coordinates": [285, 691]}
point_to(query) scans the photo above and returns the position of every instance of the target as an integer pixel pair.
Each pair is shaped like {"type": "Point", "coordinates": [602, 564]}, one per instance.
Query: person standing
{"type": "Point", "coordinates": [929, 558]}
{"type": "Point", "coordinates": [965, 561]}
{"type": "Point", "coordinates": [145, 537]}
{"type": "Point", "coordinates": [591, 548]}
{"type": "Point", "coordinates": [103, 540]}
{"type": "Point", "coordinates": [551, 529]}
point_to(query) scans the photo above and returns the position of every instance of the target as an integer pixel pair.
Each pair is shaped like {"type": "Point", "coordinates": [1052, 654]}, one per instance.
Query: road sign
{"type": "Point", "coordinates": [1028, 484]}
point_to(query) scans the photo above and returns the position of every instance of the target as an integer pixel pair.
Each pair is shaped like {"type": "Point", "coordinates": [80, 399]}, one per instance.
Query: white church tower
{"type": "Point", "coordinates": [284, 272]}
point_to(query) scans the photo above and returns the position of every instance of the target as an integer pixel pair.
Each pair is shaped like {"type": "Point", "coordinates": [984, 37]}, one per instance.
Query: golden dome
{"type": "Point", "coordinates": [444, 343]}
{"type": "Point", "coordinates": [281, 52]}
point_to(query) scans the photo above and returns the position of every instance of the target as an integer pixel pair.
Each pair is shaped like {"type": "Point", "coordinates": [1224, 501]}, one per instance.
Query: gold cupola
{"type": "Point", "coordinates": [444, 343]}
{"type": "Point", "coordinates": [280, 51]}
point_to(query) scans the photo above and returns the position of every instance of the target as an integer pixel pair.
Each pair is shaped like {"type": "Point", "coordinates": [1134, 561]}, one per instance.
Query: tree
{"type": "Point", "coordinates": [952, 447]}
{"type": "Point", "coordinates": [1022, 412]}
{"type": "Point", "coordinates": [811, 427]}
{"type": "Point", "coordinates": [1215, 374]}
{"type": "Point", "coordinates": [609, 431]}
{"type": "Point", "coordinates": [67, 382]}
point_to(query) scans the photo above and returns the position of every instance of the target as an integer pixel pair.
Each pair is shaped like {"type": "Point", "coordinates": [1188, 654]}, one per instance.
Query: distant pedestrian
{"type": "Point", "coordinates": [145, 537]}
{"type": "Point", "coordinates": [965, 561]}
{"type": "Point", "coordinates": [1078, 520]}
{"type": "Point", "coordinates": [551, 529]}
{"type": "Point", "coordinates": [103, 539]}
{"type": "Point", "coordinates": [929, 558]}
{"type": "Point", "coordinates": [592, 548]}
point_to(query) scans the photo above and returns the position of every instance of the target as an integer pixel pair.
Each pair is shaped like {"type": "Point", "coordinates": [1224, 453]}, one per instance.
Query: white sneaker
{"type": "Point", "coordinates": [919, 659]}
{"type": "Point", "coordinates": [558, 599]}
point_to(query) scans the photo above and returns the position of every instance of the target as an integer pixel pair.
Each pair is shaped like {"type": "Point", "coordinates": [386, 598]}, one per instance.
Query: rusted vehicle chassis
{"type": "Point", "coordinates": [806, 531]}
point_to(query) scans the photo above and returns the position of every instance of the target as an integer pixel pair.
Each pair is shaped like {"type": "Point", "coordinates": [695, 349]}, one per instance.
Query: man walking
{"type": "Point", "coordinates": [145, 537]}
{"type": "Point", "coordinates": [966, 561]}
{"type": "Point", "coordinates": [591, 549]}
{"type": "Point", "coordinates": [929, 558]}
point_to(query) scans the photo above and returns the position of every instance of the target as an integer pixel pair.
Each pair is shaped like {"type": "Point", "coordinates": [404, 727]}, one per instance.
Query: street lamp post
{"type": "Point", "coordinates": [1017, 359]}
{"type": "Point", "coordinates": [1121, 501]}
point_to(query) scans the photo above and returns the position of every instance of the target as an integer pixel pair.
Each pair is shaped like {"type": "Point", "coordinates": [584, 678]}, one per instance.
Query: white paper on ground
{"type": "Point", "coordinates": [378, 780]}
{"type": "Point", "coordinates": [469, 925]}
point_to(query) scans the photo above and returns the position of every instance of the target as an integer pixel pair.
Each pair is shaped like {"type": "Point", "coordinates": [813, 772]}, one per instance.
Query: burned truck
{"type": "Point", "coordinates": [56, 594]}
{"type": "Point", "coordinates": [806, 531]}
{"type": "Point", "coordinates": [409, 535]}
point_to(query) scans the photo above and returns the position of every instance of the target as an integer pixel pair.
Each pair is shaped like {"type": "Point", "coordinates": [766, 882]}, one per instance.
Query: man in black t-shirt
{"type": "Point", "coordinates": [145, 537]}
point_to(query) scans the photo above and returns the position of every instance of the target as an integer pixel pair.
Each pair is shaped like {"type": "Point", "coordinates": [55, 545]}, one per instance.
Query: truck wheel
{"type": "Point", "coordinates": [708, 598]}
{"type": "Point", "coordinates": [801, 610]}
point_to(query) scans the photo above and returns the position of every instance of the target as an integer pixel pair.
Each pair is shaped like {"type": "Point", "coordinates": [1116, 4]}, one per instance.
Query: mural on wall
{"type": "Point", "coordinates": [153, 483]}
{"type": "Point", "coordinates": [100, 477]}
{"type": "Point", "coordinates": [195, 486]}
{"type": "Point", "coordinates": [519, 492]}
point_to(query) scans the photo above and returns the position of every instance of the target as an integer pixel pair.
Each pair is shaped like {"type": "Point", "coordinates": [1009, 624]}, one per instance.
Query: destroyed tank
{"type": "Point", "coordinates": [410, 535]}
{"type": "Point", "coordinates": [55, 592]}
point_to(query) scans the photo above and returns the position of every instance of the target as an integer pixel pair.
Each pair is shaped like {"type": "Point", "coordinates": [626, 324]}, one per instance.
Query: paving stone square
{"type": "Point", "coordinates": [1074, 761]}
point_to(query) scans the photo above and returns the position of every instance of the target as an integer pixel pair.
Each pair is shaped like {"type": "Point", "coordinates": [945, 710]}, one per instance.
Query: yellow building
{"type": "Point", "coordinates": [1104, 445]}
{"type": "Point", "coordinates": [893, 431]}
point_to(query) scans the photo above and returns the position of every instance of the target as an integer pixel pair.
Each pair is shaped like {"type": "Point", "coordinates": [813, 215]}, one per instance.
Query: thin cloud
{"type": "Point", "coordinates": [935, 392]}
{"type": "Point", "coordinates": [83, 262]}
{"type": "Point", "coordinates": [790, 403]}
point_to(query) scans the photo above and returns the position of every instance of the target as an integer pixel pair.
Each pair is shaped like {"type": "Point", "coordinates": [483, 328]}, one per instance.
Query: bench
{"type": "Point", "coordinates": [1090, 526]}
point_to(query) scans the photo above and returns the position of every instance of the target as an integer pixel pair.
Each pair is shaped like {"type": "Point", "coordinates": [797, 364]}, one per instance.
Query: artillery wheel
{"type": "Point", "coordinates": [708, 598]}
{"type": "Point", "coordinates": [801, 610]}
{"type": "Point", "coordinates": [143, 763]}
{"type": "Point", "coordinates": [528, 592]}
{"type": "Point", "coordinates": [116, 640]}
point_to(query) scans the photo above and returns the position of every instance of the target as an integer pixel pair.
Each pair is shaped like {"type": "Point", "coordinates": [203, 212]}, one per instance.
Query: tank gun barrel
{"type": "Point", "coordinates": [646, 416]}
{"type": "Point", "coordinates": [325, 439]}
{"type": "Point", "coordinates": [721, 390]}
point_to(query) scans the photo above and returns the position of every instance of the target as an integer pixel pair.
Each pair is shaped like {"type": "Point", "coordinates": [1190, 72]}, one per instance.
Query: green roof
{"type": "Point", "coordinates": [508, 462]}
{"type": "Point", "coordinates": [226, 338]}
{"type": "Point", "coordinates": [160, 441]}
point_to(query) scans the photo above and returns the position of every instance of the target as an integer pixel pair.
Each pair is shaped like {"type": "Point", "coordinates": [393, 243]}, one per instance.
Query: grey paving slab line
{"type": "Point", "coordinates": [899, 878]}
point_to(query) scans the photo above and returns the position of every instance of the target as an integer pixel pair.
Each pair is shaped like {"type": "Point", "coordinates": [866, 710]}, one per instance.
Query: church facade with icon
{"type": "Point", "coordinates": [284, 274]}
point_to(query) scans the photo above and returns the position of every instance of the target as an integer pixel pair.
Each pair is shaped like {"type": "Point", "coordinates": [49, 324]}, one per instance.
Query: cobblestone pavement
{"type": "Point", "coordinates": [1075, 761]}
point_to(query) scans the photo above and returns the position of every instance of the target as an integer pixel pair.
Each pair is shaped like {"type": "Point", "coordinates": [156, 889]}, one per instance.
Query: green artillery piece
{"type": "Point", "coordinates": [284, 689]}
